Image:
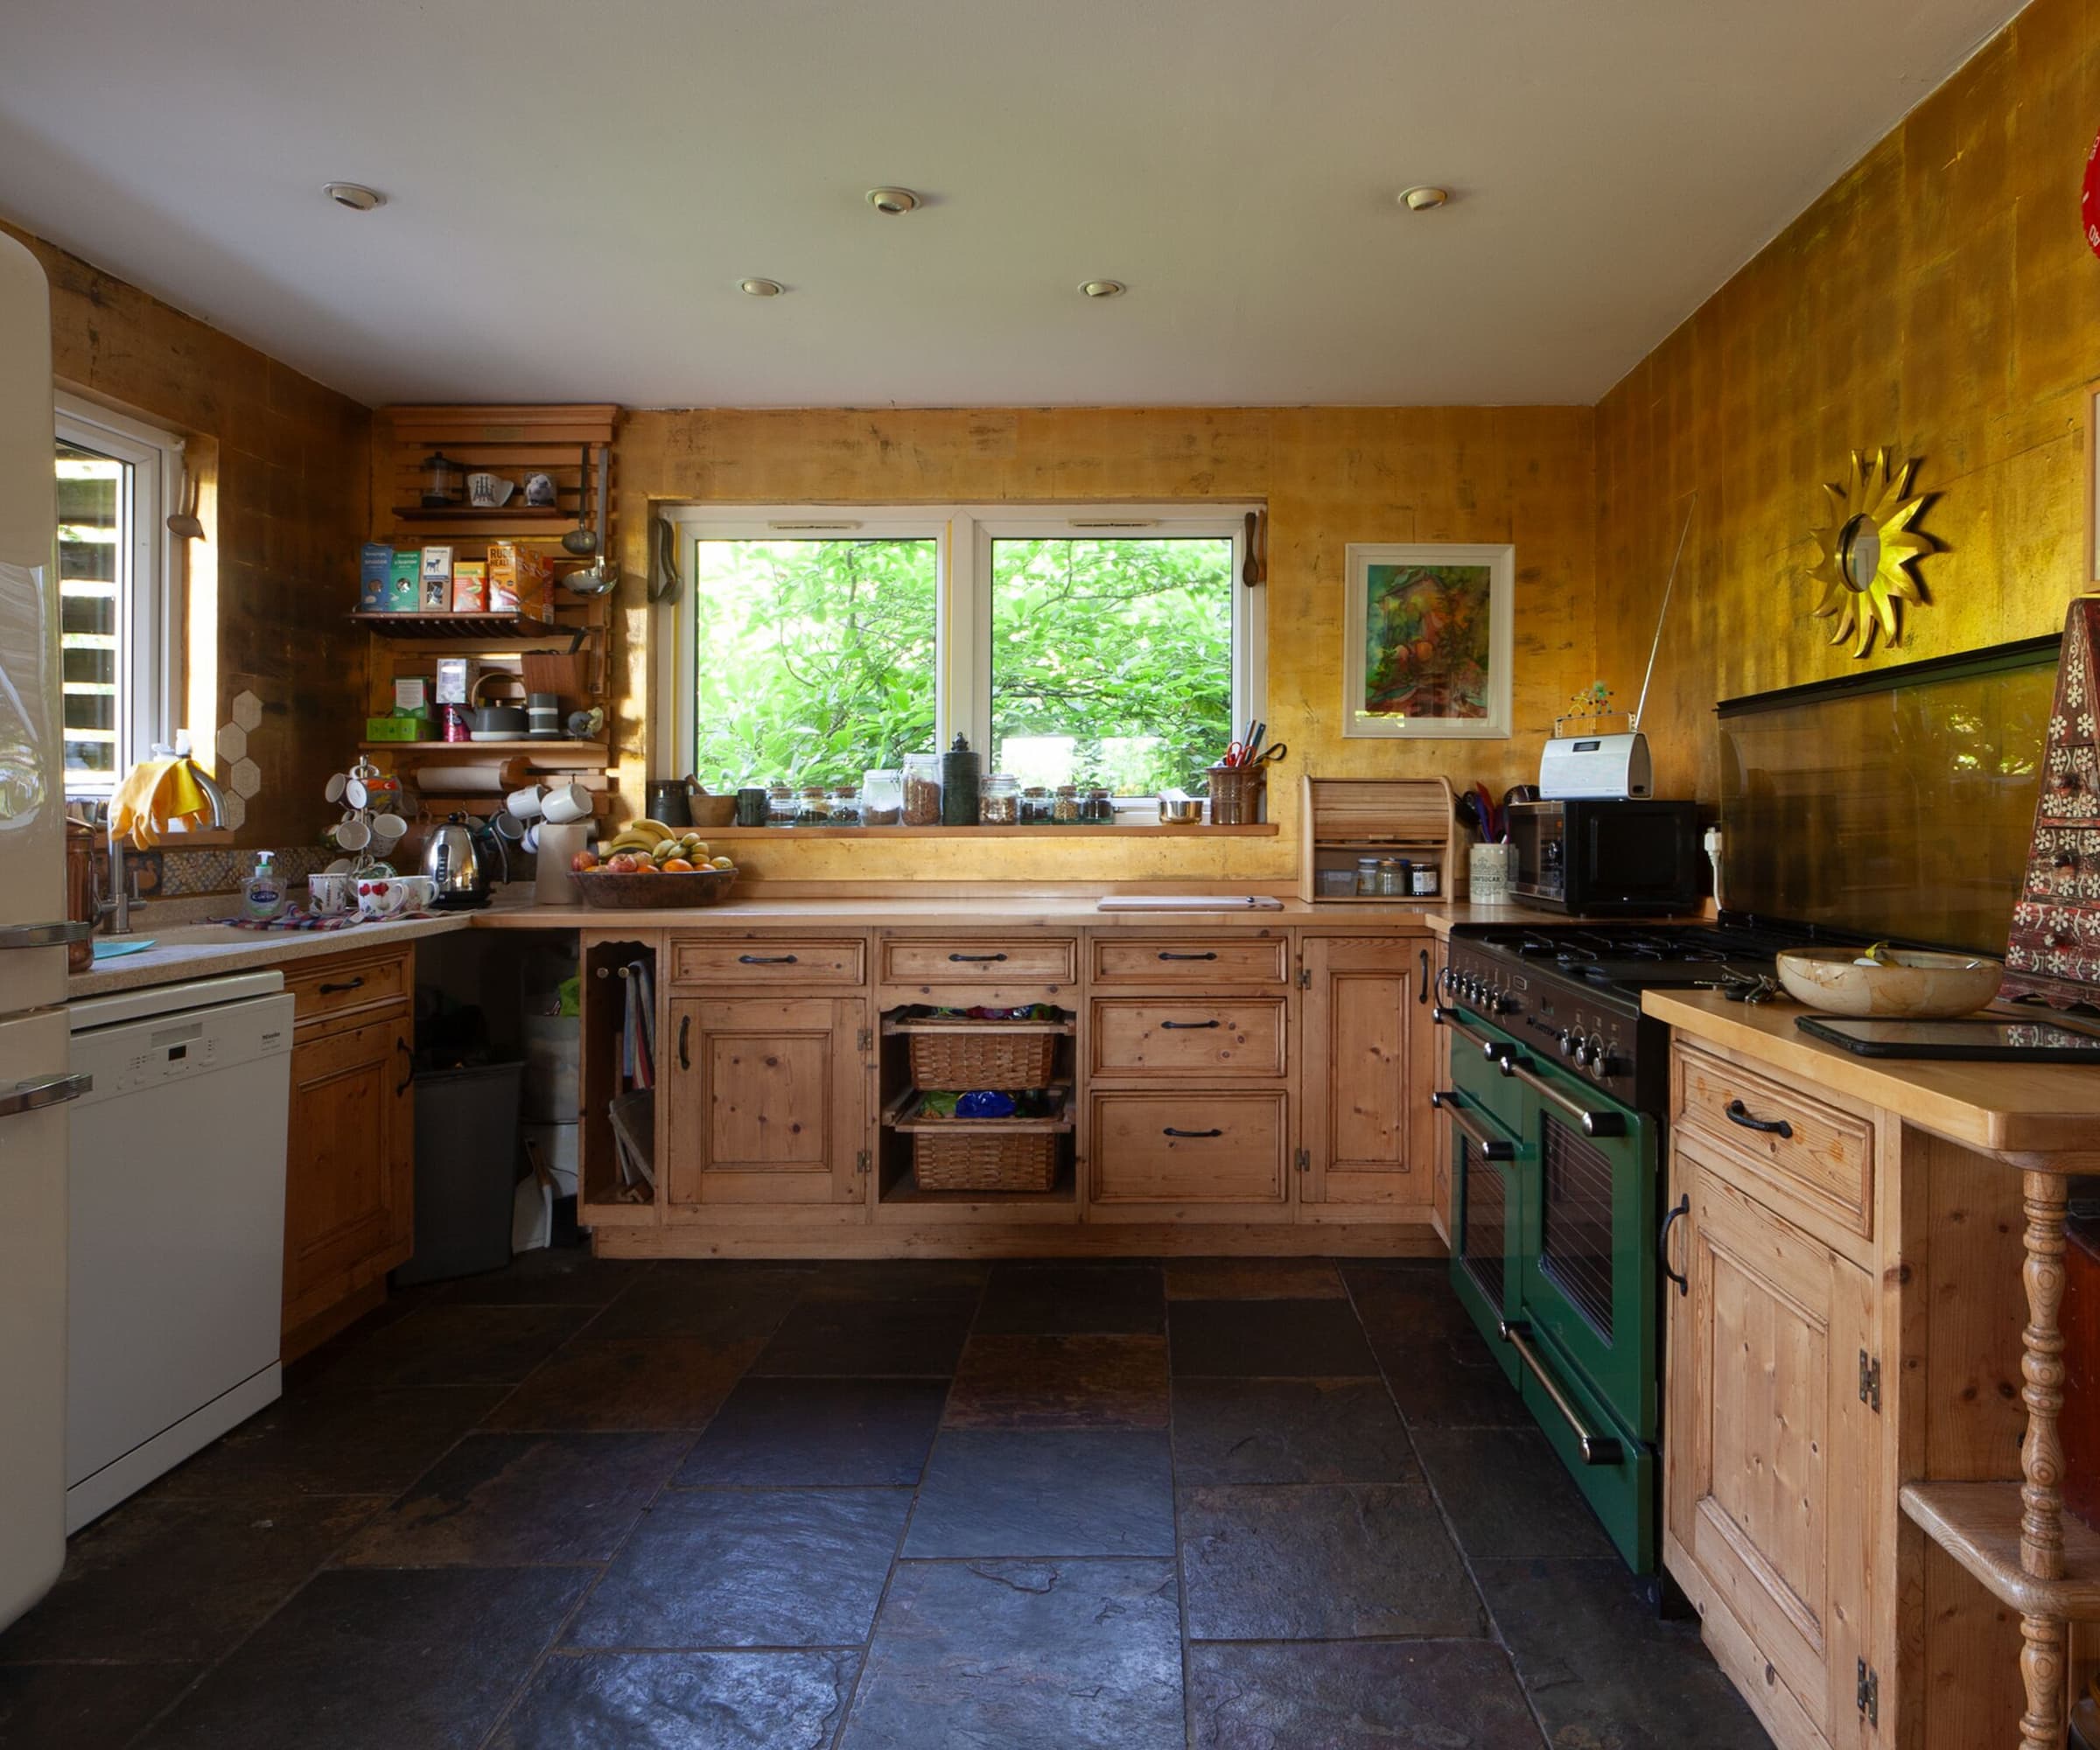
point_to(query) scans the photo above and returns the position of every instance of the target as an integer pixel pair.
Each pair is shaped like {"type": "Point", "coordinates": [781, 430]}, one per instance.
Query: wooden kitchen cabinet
{"type": "Point", "coordinates": [1368, 1053]}
{"type": "Point", "coordinates": [1772, 1459]}
{"type": "Point", "coordinates": [350, 1157]}
{"type": "Point", "coordinates": [766, 1101]}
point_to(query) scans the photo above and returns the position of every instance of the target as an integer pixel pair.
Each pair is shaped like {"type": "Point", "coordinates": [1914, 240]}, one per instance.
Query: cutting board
{"type": "Point", "coordinates": [1189, 902]}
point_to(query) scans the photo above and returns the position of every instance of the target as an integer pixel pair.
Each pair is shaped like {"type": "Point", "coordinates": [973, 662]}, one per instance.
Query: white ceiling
{"type": "Point", "coordinates": [576, 190]}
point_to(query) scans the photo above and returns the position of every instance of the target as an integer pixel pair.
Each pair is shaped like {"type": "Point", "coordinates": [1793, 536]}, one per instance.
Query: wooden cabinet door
{"type": "Point", "coordinates": [1771, 1453]}
{"type": "Point", "coordinates": [350, 1165]}
{"type": "Point", "coordinates": [1362, 1012]}
{"type": "Point", "coordinates": [766, 1100]}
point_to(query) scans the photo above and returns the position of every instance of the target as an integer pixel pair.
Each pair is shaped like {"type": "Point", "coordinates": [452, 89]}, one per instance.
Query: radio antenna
{"type": "Point", "coordinates": [1662, 613]}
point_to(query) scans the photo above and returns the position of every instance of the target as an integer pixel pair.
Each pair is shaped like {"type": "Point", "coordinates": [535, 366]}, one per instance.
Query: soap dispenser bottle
{"type": "Point", "coordinates": [262, 897]}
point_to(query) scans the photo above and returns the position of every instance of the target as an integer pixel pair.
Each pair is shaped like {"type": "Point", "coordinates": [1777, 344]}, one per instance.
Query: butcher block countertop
{"type": "Point", "coordinates": [2018, 1112]}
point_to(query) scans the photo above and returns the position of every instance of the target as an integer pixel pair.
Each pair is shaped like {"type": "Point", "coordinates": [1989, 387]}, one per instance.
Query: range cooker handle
{"type": "Point", "coordinates": [1491, 1146]}
{"type": "Point", "coordinates": [1493, 1049]}
{"type": "Point", "coordinates": [1593, 1124]}
{"type": "Point", "coordinates": [1596, 1449]}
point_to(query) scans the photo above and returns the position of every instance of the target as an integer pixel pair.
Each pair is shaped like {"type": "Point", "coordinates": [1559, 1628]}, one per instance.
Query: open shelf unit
{"type": "Point", "coordinates": [605, 1194]}
{"type": "Point", "coordinates": [1977, 1524]}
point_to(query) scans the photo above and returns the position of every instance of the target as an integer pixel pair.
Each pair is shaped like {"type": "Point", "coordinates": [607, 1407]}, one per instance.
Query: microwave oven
{"type": "Point", "coordinates": [1594, 858]}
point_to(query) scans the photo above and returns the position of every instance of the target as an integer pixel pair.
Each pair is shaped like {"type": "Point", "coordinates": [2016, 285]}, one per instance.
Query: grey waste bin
{"type": "Point", "coordinates": [466, 1171]}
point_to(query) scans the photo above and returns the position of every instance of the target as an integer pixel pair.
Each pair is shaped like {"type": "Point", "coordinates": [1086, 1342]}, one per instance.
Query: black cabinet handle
{"type": "Point", "coordinates": [685, 1034]}
{"type": "Point", "coordinates": [1739, 1114]}
{"type": "Point", "coordinates": [1423, 995]}
{"type": "Point", "coordinates": [766, 960]}
{"type": "Point", "coordinates": [1663, 1242]}
{"type": "Point", "coordinates": [1167, 953]}
{"type": "Point", "coordinates": [1171, 1131]}
{"type": "Point", "coordinates": [1187, 1026]}
{"type": "Point", "coordinates": [356, 984]}
{"type": "Point", "coordinates": [976, 957]}
{"type": "Point", "coordinates": [402, 1087]}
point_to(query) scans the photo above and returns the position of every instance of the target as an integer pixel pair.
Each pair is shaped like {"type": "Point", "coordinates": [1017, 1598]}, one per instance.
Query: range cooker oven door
{"type": "Point", "coordinates": [1585, 1331]}
{"type": "Point", "coordinates": [1486, 1196]}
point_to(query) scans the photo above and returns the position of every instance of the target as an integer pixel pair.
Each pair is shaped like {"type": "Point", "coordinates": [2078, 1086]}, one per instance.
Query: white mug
{"type": "Point", "coordinates": [387, 828]}
{"type": "Point", "coordinates": [354, 834]}
{"type": "Point", "coordinates": [525, 804]}
{"type": "Point", "coordinates": [566, 803]}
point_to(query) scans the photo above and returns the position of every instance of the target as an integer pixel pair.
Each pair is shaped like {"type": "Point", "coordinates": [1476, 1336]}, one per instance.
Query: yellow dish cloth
{"type": "Point", "coordinates": [155, 793]}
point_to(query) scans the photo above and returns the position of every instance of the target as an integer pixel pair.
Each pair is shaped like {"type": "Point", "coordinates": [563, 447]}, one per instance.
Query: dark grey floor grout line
{"type": "Point", "coordinates": [1173, 1492]}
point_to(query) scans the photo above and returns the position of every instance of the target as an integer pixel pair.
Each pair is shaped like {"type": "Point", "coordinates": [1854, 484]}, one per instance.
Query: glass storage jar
{"type": "Point", "coordinates": [845, 805]}
{"type": "Point", "coordinates": [922, 789]}
{"type": "Point", "coordinates": [813, 809]}
{"type": "Point", "coordinates": [999, 801]}
{"type": "Point", "coordinates": [780, 805]}
{"type": "Point", "coordinates": [881, 798]}
{"type": "Point", "coordinates": [1392, 884]}
{"type": "Point", "coordinates": [1101, 807]}
{"type": "Point", "coordinates": [1066, 809]}
{"type": "Point", "coordinates": [1366, 878]}
{"type": "Point", "coordinates": [1035, 805]}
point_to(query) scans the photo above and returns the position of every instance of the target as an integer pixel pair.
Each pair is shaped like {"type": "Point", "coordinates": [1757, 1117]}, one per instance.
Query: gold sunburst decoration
{"type": "Point", "coordinates": [1868, 550]}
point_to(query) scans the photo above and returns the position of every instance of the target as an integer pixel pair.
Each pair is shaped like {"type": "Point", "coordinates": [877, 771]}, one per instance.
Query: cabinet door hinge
{"type": "Point", "coordinates": [867, 1038]}
{"type": "Point", "coordinates": [1870, 1380]}
{"type": "Point", "coordinates": [1305, 1160]}
{"type": "Point", "coordinates": [1305, 977]}
{"type": "Point", "coordinates": [860, 1161]}
{"type": "Point", "coordinates": [1866, 1693]}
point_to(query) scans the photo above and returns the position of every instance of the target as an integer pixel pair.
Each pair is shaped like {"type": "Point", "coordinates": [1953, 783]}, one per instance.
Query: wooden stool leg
{"type": "Point", "coordinates": [2042, 1726]}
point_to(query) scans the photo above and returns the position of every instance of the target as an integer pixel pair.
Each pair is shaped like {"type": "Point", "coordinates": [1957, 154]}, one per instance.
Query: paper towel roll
{"type": "Point", "coordinates": [462, 780]}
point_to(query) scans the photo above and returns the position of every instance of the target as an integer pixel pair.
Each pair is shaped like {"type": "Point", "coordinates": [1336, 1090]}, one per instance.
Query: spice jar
{"type": "Point", "coordinates": [813, 810]}
{"type": "Point", "coordinates": [1366, 878]}
{"type": "Point", "coordinates": [881, 798]}
{"type": "Point", "coordinates": [1101, 807]}
{"type": "Point", "coordinates": [1392, 884]}
{"type": "Point", "coordinates": [780, 805]}
{"type": "Point", "coordinates": [999, 801]}
{"type": "Point", "coordinates": [1066, 809]}
{"type": "Point", "coordinates": [922, 789]}
{"type": "Point", "coordinates": [845, 805]}
{"type": "Point", "coordinates": [1035, 805]}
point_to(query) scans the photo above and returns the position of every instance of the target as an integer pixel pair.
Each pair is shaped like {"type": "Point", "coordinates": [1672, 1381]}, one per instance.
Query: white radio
{"type": "Point", "coordinates": [1606, 766]}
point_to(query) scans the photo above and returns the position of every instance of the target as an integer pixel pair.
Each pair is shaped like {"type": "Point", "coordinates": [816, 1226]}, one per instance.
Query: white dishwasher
{"type": "Point", "coordinates": [175, 1206]}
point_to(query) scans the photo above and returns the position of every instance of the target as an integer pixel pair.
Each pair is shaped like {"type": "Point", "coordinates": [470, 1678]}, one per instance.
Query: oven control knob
{"type": "Point", "coordinates": [1582, 1054]}
{"type": "Point", "coordinates": [1567, 1042]}
{"type": "Point", "coordinates": [1599, 1055]}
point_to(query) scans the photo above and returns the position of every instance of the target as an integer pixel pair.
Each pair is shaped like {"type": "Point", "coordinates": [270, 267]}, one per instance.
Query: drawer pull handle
{"type": "Point", "coordinates": [1422, 995]}
{"type": "Point", "coordinates": [402, 1087]}
{"type": "Point", "coordinates": [1739, 1114]}
{"type": "Point", "coordinates": [1168, 954]}
{"type": "Point", "coordinates": [976, 957]}
{"type": "Point", "coordinates": [1187, 1026]}
{"type": "Point", "coordinates": [766, 960]}
{"type": "Point", "coordinates": [1596, 1449]}
{"type": "Point", "coordinates": [45, 1090]}
{"type": "Point", "coordinates": [685, 1037]}
{"type": "Point", "coordinates": [1171, 1131]}
{"type": "Point", "coordinates": [1670, 1221]}
{"type": "Point", "coordinates": [356, 984]}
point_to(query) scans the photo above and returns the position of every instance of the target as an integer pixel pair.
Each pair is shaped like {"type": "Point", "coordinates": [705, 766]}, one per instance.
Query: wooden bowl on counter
{"type": "Point", "coordinates": [627, 892]}
{"type": "Point", "coordinates": [1890, 982]}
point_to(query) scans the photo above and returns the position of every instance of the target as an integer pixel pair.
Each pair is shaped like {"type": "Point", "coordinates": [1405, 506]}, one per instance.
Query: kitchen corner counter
{"type": "Point", "coordinates": [2017, 1111]}
{"type": "Point", "coordinates": [183, 951]}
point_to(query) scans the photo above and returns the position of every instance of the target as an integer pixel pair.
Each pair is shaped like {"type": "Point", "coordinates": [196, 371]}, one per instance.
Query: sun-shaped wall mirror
{"type": "Point", "coordinates": [1868, 550]}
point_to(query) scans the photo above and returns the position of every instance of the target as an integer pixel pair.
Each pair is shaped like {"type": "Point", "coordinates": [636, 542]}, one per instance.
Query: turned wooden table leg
{"type": "Point", "coordinates": [2041, 1660]}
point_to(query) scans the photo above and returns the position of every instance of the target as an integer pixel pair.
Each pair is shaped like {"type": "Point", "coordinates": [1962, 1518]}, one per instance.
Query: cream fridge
{"type": "Point", "coordinates": [36, 1083]}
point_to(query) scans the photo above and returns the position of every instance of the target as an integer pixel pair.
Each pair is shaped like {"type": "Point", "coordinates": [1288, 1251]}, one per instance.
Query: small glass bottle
{"type": "Point", "coordinates": [814, 809]}
{"type": "Point", "coordinates": [845, 805]}
{"type": "Point", "coordinates": [1035, 805]}
{"type": "Point", "coordinates": [1366, 878]}
{"type": "Point", "coordinates": [780, 805]}
{"type": "Point", "coordinates": [1101, 807]}
{"type": "Point", "coordinates": [1066, 809]}
{"type": "Point", "coordinates": [999, 801]}
{"type": "Point", "coordinates": [1392, 883]}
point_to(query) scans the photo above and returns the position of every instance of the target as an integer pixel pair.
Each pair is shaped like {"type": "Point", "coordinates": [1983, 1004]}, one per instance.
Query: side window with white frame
{"type": "Point", "coordinates": [1110, 645]}
{"type": "Point", "coordinates": [118, 630]}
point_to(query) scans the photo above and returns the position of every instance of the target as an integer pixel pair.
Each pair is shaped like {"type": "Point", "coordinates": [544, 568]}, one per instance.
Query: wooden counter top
{"type": "Point", "coordinates": [2018, 1112]}
{"type": "Point", "coordinates": [978, 911]}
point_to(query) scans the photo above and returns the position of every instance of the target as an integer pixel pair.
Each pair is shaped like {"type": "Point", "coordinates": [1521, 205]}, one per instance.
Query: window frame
{"type": "Point", "coordinates": [149, 620]}
{"type": "Point", "coordinates": [962, 535]}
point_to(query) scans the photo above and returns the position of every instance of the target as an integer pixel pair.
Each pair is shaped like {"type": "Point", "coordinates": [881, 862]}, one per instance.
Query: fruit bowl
{"type": "Point", "coordinates": [1889, 982]}
{"type": "Point", "coordinates": [620, 891]}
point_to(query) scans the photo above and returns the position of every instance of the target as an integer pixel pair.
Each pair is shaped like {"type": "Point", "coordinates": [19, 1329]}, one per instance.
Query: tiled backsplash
{"type": "Point", "coordinates": [186, 872]}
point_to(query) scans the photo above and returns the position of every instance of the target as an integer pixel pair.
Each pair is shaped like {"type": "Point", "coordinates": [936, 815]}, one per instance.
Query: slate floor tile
{"type": "Point", "coordinates": [361, 1659]}
{"type": "Point", "coordinates": [496, 1499]}
{"type": "Point", "coordinates": [1026, 1655]}
{"type": "Point", "coordinates": [1327, 1562]}
{"type": "Point", "coordinates": [336, 1443]}
{"type": "Point", "coordinates": [1303, 1339]}
{"type": "Point", "coordinates": [632, 1384]}
{"type": "Point", "coordinates": [954, 1280]}
{"type": "Point", "coordinates": [441, 1345]}
{"type": "Point", "coordinates": [723, 1303]}
{"type": "Point", "coordinates": [1058, 1492]}
{"type": "Point", "coordinates": [779, 1432]}
{"type": "Point", "coordinates": [749, 1568]}
{"type": "Point", "coordinates": [1507, 1494]}
{"type": "Point", "coordinates": [1440, 1366]}
{"type": "Point", "coordinates": [1365, 1695]}
{"type": "Point", "coordinates": [681, 1701]}
{"type": "Point", "coordinates": [167, 1578]}
{"type": "Point", "coordinates": [860, 1337]}
{"type": "Point", "coordinates": [1280, 1431]}
{"type": "Point", "coordinates": [1602, 1669]}
{"type": "Point", "coordinates": [1234, 1279]}
{"type": "Point", "coordinates": [1076, 1381]}
{"type": "Point", "coordinates": [554, 1275]}
{"type": "Point", "coordinates": [1046, 1300]}
{"type": "Point", "coordinates": [84, 1707]}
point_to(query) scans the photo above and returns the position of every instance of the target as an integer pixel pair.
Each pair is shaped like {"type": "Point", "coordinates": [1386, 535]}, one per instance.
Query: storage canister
{"type": "Point", "coordinates": [961, 782]}
{"type": "Point", "coordinates": [1000, 804]}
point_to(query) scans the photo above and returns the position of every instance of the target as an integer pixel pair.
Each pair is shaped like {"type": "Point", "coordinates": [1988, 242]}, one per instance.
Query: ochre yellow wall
{"type": "Point", "coordinates": [1329, 476]}
{"type": "Point", "coordinates": [1939, 299]}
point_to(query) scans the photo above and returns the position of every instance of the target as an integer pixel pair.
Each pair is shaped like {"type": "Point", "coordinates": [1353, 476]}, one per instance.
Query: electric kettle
{"type": "Point", "coordinates": [457, 858]}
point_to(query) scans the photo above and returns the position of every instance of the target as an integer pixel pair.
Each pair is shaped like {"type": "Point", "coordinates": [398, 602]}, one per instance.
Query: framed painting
{"type": "Point", "coordinates": [1428, 637]}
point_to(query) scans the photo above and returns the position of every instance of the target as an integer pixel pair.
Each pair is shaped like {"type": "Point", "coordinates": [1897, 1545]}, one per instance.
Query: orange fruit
{"type": "Point", "coordinates": [677, 865]}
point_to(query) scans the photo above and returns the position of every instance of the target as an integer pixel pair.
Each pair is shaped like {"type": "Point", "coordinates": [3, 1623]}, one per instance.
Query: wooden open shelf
{"type": "Point", "coordinates": [569, 752]}
{"type": "Point", "coordinates": [467, 514]}
{"type": "Point", "coordinates": [1977, 1524]}
{"type": "Point", "coordinates": [482, 626]}
{"type": "Point", "coordinates": [1148, 829]}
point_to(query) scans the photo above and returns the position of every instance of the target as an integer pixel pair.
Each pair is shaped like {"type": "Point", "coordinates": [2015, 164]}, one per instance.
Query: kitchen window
{"type": "Point", "coordinates": [1110, 645]}
{"type": "Point", "coordinates": [120, 651]}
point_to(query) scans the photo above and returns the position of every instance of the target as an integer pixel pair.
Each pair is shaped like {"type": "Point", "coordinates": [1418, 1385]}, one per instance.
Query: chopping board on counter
{"type": "Point", "coordinates": [1189, 902]}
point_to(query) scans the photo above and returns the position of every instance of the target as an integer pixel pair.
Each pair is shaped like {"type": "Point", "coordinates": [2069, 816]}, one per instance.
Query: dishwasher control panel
{"type": "Point", "coordinates": [133, 1058]}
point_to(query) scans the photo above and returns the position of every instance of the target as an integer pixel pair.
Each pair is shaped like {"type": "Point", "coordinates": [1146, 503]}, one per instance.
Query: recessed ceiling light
{"type": "Point", "coordinates": [1424, 199]}
{"type": "Point", "coordinates": [895, 202]}
{"type": "Point", "coordinates": [762, 287]}
{"type": "Point", "coordinates": [1102, 288]}
{"type": "Point", "coordinates": [354, 195]}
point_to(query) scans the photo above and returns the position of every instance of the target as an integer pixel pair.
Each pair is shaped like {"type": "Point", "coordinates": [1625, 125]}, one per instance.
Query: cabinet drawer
{"type": "Point", "coordinates": [1157, 960]}
{"type": "Point", "coordinates": [1007, 960]}
{"type": "Point", "coordinates": [1206, 1147]}
{"type": "Point", "coordinates": [1187, 1035]}
{"type": "Point", "coordinates": [328, 990]}
{"type": "Point", "coordinates": [775, 960]}
{"type": "Point", "coordinates": [1818, 1152]}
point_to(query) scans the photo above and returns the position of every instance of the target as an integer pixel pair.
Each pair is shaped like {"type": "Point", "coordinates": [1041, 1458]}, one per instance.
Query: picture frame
{"type": "Point", "coordinates": [1433, 627]}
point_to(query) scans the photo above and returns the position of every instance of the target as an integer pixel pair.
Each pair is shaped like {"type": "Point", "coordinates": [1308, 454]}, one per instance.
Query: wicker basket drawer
{"type": "Point", "coordinates": [1187, 1035]}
